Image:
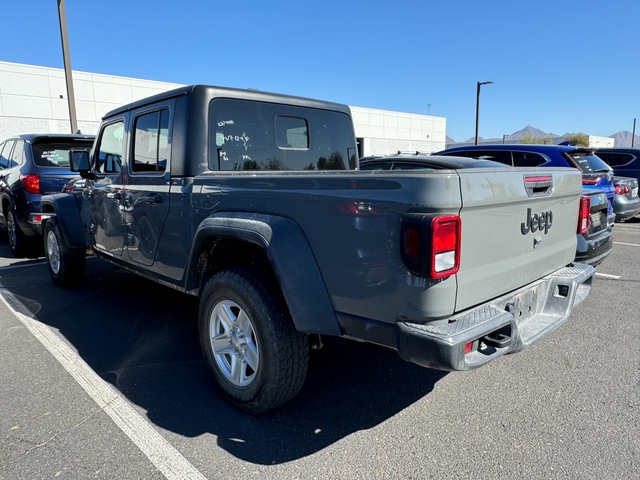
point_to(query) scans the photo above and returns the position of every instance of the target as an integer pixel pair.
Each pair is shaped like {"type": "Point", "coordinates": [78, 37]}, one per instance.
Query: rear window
{"type": "Point", "coordinates": [248, 135]}
{"type": "Point", "coordinates": [55, 153]}
{"type": "Point", "coordinates": [589, 163]}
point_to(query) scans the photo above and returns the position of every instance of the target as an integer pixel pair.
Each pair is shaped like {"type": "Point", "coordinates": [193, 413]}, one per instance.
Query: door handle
{"type": "Point", "coordinates": [152, 199]}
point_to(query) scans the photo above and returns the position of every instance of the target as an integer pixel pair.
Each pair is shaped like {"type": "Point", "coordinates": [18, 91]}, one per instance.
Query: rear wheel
{"type": "Point", "coordinates": [66, 265]}
{"type": "Point", "coordinates": [256, 355]}
{"type": "Point", "coordinates": [18, 241]}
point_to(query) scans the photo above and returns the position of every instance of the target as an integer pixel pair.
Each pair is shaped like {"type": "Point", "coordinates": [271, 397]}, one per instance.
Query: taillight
{"type": "Point", "coordinates": [446, 246]}
{"type": "Point", "coordinates": [31, 183]}
{"type": "Point", "coordinates": [584, 215]}
{"type": "Point", "coordinates": [622, 190]}
{"type": "Point", "coordinates": [431, 245]}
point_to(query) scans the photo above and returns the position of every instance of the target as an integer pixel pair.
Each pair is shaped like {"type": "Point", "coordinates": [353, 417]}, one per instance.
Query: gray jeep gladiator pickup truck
{"type": "Point", "coordinates": [253, 203]}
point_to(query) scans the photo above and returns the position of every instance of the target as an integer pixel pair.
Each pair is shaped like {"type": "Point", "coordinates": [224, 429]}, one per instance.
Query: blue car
{"type": "Point", "coordinates": [596, 174]}
{"type": "Point", "coordinates": [31, 166]}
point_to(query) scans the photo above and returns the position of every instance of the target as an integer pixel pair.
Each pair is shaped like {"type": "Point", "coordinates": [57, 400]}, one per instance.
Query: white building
{"type": "Point", "coordinates": [34, 100]}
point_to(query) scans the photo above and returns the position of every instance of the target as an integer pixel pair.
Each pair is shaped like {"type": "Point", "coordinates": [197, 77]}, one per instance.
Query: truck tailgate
{"type": "Point", "coordinates": [517, 226]}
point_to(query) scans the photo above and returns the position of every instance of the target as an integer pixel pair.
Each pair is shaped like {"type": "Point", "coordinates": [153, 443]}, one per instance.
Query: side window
{"type": "Point", "coordinates": [502, 156]}
{"type": "Point", "coordinates": [17, 157]}
{"type": "Point", "coordinates": [151, 142]}
{"type": "Point", "coordinates": [527, 159]}
{"type": "Point", "coordinates": [5, 153]}
{"type": "Point", "coordinates": [618, 159]}
{"type": "Point", "coordinates": [110, 150]}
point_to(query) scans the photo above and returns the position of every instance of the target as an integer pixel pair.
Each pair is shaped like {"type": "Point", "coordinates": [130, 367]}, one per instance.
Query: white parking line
{"type": "Point", "coordinates": [629, 244]}
{"type": "Point", "coordinates": [161, 453]}
{"type": "Point", "coordinates": [606, 275]}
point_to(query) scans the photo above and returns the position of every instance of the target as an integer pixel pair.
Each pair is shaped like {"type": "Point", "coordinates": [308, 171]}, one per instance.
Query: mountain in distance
{"type": "Point", "coordinates": [621, 139]}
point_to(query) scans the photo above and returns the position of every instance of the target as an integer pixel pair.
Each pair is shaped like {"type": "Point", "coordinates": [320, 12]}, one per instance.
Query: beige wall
{"type": "Point", "coordinates": [34, 100]}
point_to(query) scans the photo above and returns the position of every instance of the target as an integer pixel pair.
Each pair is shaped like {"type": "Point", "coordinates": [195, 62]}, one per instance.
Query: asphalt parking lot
{"type": "Point", "coordinates": [107, 381]}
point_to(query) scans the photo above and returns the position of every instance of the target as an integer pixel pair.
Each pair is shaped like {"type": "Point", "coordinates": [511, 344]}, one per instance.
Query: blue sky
{"type": "Point", "coordinates": [562, 66]}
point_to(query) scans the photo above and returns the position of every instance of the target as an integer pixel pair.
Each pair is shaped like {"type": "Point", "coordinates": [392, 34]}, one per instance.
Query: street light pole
{"type": "Point", "coordinates": [479, 84]}
{"type": "Point", "coordinates": [71, 98]}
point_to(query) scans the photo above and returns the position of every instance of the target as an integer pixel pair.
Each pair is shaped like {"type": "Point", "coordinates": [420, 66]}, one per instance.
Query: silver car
{"type": "Point", "coordinates": [626, 203]}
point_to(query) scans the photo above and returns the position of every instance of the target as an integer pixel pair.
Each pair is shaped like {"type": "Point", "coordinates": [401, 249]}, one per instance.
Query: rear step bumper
{"type": "Point", "coordinates": [507, 324]}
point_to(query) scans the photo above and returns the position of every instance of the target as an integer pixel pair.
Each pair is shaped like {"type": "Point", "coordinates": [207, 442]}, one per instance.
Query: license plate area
{"type": "Point", "coordinates": [523, 305]}
{"type": "Point", "coordinates": [595, 220]}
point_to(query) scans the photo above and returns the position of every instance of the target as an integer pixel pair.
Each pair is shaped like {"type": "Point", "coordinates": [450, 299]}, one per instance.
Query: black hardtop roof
{"type": "Point", "coordinates": [226, 92]}
{"type": "Point", "coordinates": [32, 137]}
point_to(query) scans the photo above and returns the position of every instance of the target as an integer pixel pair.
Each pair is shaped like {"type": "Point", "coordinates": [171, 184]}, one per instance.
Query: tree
{"type": "Point", "coordinates": [578, 139]}
{"type": "Point", "coordinates": [530, 139]}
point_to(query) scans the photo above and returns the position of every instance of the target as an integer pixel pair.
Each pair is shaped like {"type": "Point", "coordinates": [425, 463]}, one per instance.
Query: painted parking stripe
{"type": "Point", "coordinates": [161, 453]}
{"type": "Point", "coordinates": [606, 275]}
{"type": "Point", "coordinates": [628, 244]}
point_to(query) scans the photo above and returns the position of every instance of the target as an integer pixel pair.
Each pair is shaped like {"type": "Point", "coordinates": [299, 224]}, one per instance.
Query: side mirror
{"type": "Point", "coordinates": [79, 160]}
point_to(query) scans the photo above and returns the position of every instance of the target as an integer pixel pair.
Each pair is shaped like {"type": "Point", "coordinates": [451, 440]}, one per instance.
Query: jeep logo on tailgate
{"type": "Point", "coordinates": [537, 222]}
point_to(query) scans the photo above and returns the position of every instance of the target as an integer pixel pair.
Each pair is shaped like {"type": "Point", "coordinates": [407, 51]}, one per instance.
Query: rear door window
{"type": "Point", "coordinates": [527, 159]}
{"type": "Point", "coordinates": [151, 142]}
{"type": "Point", "coordinates": [502, 156]}
{"type": "Point", "coordinates": [5, 153]}
{"type": "Point", "coordinates": [17, 157]}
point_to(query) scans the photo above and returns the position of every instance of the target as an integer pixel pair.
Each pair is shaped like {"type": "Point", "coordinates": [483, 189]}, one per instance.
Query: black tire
{"type": "Point", "coordinates": [256, 355]}
{"type": "Point", "coordinates": [18, 241]}
{"type": "Point", "coordinates": [66, 265]}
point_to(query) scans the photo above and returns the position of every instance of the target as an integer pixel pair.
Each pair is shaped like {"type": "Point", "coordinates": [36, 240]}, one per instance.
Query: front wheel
{"type": "Point", "coordinates": [66, 265]}
{"type": "Point", "coordinates": [256, 355]}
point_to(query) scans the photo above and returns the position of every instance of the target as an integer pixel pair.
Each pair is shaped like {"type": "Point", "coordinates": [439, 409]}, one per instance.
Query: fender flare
{"type": "Point", "coordinates": [291, 259]}
{"type": "Point", "coordinates": [65, 208]}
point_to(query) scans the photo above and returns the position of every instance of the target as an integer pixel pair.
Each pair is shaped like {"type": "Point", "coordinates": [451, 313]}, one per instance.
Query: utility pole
{"type": "Point", "coordinates": [633, 134]}
{"type": "Point", "coordinates": [479, 84]}
{"type": "Point", "coordinates": [71, 98]}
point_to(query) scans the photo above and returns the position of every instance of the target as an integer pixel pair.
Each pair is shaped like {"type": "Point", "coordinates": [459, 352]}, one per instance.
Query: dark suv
{"type": "Point", "coordinates": [624, 161]}
{"type": "Point", "coordinates": [31, 166]}
{"type": "Point", "coordinates": [596, 174]}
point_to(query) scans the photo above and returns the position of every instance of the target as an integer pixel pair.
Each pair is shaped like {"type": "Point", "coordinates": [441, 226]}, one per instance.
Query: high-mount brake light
{"type": "Point", "coordinates": [31, 183]}
{"type": "Point", "coordinates": [589, 181]}
{"type": "Point", "coordinates": [584, 216]}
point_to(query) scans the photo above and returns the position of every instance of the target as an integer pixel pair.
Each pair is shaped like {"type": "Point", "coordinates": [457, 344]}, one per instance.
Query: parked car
{"type": "Point", "coordinates": [594, 233]}
{"type": "Point", "coordinates": [626, 203]}
{"type": "Point", "coordinates": [596, 174]}
{"type": "Point", "coordinates": [31, 166]}
{"type": "Point", "coordinates": [624, 161]}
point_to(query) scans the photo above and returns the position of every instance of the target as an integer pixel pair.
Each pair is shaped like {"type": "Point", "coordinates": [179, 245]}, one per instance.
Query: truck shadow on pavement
{"type": "Point", "coordinates": [143, 339]}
